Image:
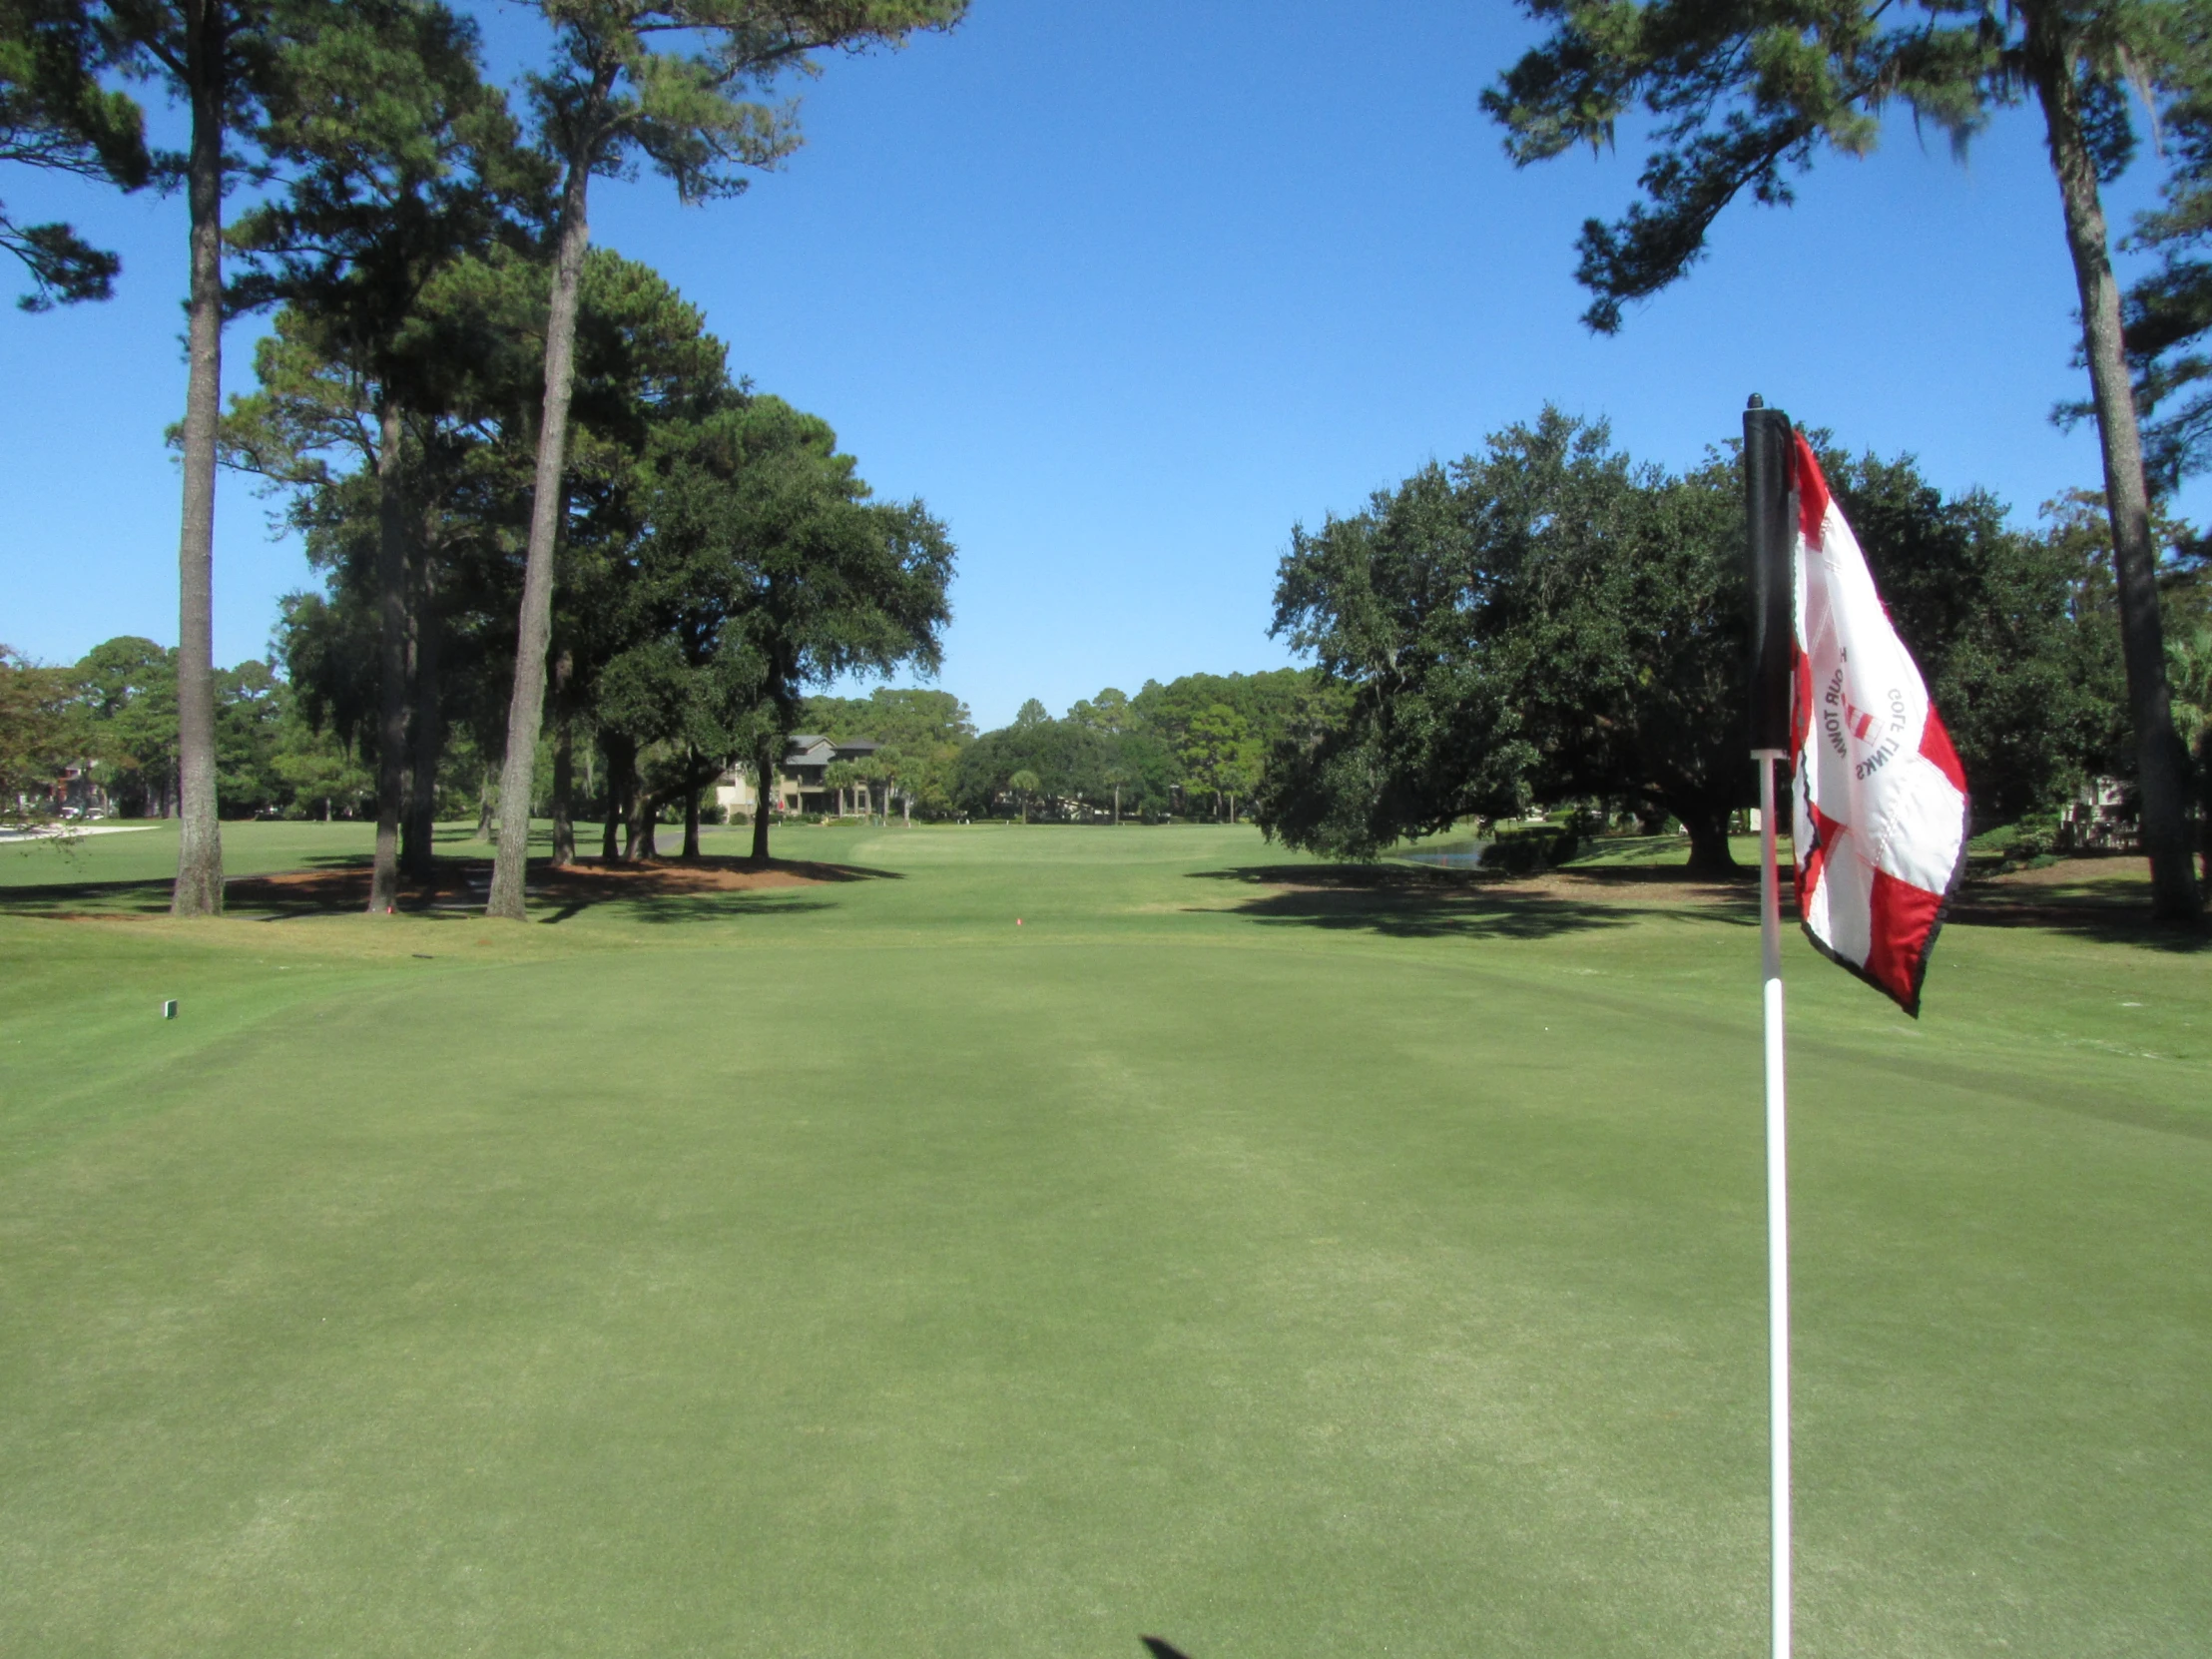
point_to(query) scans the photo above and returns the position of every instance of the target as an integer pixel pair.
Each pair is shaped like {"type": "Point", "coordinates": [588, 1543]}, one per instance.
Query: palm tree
{"type": "Point", "coordinates": [877, 770]}
{"type": "Point", "coordinates": [1118, 775]}
{"type": "Point", "coordinates": [1024, 784]}
{"type": "Point", "coordinates": [891, 768]}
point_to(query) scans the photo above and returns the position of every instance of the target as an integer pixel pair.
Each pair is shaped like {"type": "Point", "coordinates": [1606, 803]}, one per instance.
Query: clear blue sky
{"type": "Point", "coordinates": [1126, 291]}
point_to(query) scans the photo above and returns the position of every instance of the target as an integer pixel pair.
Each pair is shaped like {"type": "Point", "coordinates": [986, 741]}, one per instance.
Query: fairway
{"type": "Point", "coordinates": [1250, 1254]}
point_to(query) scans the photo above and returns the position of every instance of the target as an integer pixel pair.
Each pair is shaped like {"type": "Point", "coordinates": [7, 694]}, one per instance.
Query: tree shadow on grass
{"type": "Point", "coordinates": [58, 901]}
{"type": "Point", "coordinates": [2103, 911]}
{"type": "Point", "coordinates": [149, 896]}
{"type": "Point", "coordinates": [670, 909]}
{"type": "Point", "coordinates": [2091, 899]}
{"type": "Point", "coordinates": [1411, 903]}
{"type": "Point", "coordinates": [662, 891]}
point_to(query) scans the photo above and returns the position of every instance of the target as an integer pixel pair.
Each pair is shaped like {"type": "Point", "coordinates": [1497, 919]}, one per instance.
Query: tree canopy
{"type": "Point", "coordinates": [57, 116]}
{"type": "Point", "coordinates": [1550, 621]}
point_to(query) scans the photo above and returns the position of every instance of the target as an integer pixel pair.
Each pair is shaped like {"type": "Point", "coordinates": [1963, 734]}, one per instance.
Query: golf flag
{"type": "Point", "coordinates": [1880, 820]}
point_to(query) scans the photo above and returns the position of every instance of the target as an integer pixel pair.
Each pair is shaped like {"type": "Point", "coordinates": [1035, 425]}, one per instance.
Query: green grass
{"type": "Point", "coordinates": [1341, 1266]}
{"type": "Point", "coordinates": [146, 851]}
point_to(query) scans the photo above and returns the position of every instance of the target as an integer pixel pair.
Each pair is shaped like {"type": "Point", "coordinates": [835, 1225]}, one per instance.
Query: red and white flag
{"type": "Point", "coordinates": [1880, 798]}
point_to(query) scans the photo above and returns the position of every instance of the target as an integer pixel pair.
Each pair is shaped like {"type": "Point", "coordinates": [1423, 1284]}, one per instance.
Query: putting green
{"type": "Point", "coordinates": [1278, 1266]}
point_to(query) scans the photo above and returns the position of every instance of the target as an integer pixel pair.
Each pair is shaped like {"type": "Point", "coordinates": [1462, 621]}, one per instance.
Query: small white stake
{"type": "Point", "coordinates": [169, 1009]}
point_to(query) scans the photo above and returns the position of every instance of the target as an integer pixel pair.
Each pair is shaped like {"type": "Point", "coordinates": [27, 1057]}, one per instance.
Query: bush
{"type": "Point", "coordinates": [2035, 837]}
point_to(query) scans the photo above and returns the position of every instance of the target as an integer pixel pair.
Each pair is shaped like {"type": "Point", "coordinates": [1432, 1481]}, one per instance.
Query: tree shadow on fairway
{"type": "Point", "coordinates": [2106, 900]}
{"type": "Point", "coordinates": [2102, 899]}
{"type": "Point", "coordinates": [1412, 902]}
{"type": "Point", "coordinates": [658, 889]}
{"type": "Point", "coordinates": [147, 895]}
{"type": "Point", "coordinates": [59, 900]}
{"type": "Point", "coordinates": [670, 909]}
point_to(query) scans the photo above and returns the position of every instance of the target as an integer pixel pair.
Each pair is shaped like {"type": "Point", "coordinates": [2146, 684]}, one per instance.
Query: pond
{"type": "Point", "coordinates": [1446, 857]}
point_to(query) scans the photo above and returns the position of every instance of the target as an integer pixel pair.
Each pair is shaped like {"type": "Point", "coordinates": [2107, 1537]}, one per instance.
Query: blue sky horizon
{"type": "Point", "coordinates": [1125, 297]}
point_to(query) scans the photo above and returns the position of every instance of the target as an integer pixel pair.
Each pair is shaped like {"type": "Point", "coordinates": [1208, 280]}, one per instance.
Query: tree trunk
{"type": "Point", "coordinates": [2160, 763]}
{"type": "Point", "coordinates": [639, 810]}
{"type": "Point", "coordinates": [418, 843]}
{"type": "Point", "coordinates": [906, 810]}
{"type": "Point", "coordinates": [622, 772]}
{"type": "Point", "coordinates": [564, 785]}
{"type": "Point", "coordinates": [392, 662]}
{"type": "Point", "coordinates": [1709, 853]}
{"type": "Point", "coordinates": [564, 764]}
{"type": "Point", "coordinates": [198, 889]}
{"type": "Point", "coordinates": [2199, 751]}
{"type": "Point", "coordinates": [691, 822]}
{"type": "Point", "coordinates": [526, 707]}
{"type": "Point", "coordinates": [2204, 808]}
{"type": "Point", "coordinates": [1117, 806]}
{"type": "Point", "coordinates": [484, 805]}
{"type": "Point", "coordinates": [763, 781]}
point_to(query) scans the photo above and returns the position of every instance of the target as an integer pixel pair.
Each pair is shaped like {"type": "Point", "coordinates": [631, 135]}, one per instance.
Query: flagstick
{"type": "Point", "coordinates": [1778, 1206]}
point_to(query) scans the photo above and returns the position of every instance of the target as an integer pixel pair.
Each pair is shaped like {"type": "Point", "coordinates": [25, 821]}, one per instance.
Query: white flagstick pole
{"type": "Point", "coordinates": [1777, 1208]}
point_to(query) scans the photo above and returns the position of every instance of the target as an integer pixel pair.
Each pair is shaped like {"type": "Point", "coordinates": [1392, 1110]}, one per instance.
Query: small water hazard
{"type": "Point", "coordinates": [1465, 856]}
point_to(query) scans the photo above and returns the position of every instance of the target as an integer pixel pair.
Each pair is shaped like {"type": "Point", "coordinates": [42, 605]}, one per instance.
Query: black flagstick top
{"type": "Point", "coordinates": [1767, 453]}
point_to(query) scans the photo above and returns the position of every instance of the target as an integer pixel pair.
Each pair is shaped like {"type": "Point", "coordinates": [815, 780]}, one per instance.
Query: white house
{"type": "Point", "coordinates": [801, 786]}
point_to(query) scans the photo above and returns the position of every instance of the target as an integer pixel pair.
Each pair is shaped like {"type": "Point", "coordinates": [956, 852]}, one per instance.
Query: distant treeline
{"type": "Point", "coordinates": [1194, 747]}
{"type": "Point", "coordinates": [111, 720]}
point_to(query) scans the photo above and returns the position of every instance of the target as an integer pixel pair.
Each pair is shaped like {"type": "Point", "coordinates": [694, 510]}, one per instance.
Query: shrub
{"type": "Point", "coordinates": [2037, 836]}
